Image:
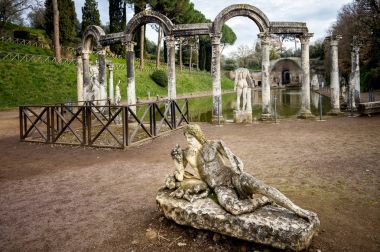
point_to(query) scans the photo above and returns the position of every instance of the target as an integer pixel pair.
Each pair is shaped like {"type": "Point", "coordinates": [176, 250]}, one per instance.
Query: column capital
{"type": "Point", "coordinates": [305, 38]}
{"type": "Point", "coordinates": [129, 45]}
{"type": "Point", "coordinates": [265, 38]}
{"type": "Point", "coordinates": [102, 52]}
{"type": "Point", "coordinates": [334, 39]}
{"type": "Point", "coordinates": [110, 65]}
{"type": "Point", "coordinates": [170, 41]}
{"type": "Point", "coordinates": [215, 39]}
{"type": "Point", "coordinates": [85, 55]}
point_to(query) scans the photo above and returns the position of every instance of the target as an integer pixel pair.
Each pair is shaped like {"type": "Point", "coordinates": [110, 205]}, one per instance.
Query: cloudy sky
{"type": "Point", "coordinates": [318, 15]}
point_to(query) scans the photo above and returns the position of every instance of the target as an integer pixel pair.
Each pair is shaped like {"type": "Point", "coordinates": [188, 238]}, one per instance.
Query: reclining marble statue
{"type": "Point", "coordinates": [217, 171]}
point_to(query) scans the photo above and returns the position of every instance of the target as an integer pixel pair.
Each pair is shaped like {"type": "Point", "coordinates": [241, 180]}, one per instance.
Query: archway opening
{"type": "Point", "coordinates": [285, 77]}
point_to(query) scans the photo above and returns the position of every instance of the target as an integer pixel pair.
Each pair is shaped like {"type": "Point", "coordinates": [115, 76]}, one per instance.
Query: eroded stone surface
{"type": "Point", "coordinates": [271, 225]}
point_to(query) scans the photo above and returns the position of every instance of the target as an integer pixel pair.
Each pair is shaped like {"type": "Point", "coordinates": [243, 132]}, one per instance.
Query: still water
{"type": "Point", "coordinates": [288, 104]}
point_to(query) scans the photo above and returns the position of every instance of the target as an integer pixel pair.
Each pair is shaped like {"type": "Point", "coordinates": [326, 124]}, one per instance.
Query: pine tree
{"type": "Point", "coordinates": [90, 14]}
{"type": "Point", "coordinates": [67, 19]}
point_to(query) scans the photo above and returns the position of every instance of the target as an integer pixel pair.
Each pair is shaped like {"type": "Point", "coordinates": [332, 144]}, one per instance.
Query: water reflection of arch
{"type": "Point", "coordinates": [286, 71]}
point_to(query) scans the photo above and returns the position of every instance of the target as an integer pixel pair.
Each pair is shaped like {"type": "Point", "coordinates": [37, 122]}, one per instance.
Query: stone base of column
{"type": "Point", "coordinates": [306, 114]}
{"type": "Point", "coordinates": [335, 112]}
{"type": "Point", "coordinates": [242, 116]}
{"type": "Point", "coordinates": [217, 119]}
{"type": "Point", "coordinates": [266, 117]}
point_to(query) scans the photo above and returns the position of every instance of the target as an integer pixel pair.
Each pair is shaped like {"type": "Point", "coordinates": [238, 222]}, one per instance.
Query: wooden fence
{"type": "Point", "coordinates": [101, 126]}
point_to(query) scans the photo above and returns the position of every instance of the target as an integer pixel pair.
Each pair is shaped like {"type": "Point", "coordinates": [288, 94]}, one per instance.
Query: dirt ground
{"type": "Point", "coordinates": [64, 198]}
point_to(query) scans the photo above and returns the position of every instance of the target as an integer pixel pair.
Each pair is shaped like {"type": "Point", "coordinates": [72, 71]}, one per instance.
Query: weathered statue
{"type": "Point", "coordinates": [117, 94]}
{"type": "Point", "coordinates": [241, 87]}
{"type": "Point", "coordinates": [93, 91]}
{"type": "Point", "coordinates": [217, 169]}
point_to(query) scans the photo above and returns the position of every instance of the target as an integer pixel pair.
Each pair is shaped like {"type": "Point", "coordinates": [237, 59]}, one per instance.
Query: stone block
{"type": "Point", "coordinates": [270, 225]}
{"type": "Point", "coordinates": [242, 116]}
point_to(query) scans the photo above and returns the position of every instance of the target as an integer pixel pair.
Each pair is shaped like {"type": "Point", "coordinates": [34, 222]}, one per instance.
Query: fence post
{"type": "Point", "coordinates": [88, 120]}
{"type": "Point", "coordinates": [187, 110]}
{"type": "Point", "coordinates": [52, 124]}
{"type": "Point", "coordinates": [172, 107]}
{"type": "Point", "coordinates": [84, 124]}
{"type": "Point", "coordinates": [48, 129]}
{"type": "Point", "coordinates": [125, 126]}
{"type": "Point", "coordinates": [20, 114]}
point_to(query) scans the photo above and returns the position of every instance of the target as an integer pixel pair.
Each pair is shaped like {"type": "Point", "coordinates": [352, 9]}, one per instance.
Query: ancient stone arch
{"type": "Point", "coordinates": [92, 36]}
{"type": "Point", "coordinates": [146, 17]}
{"type": "Point", "coordinates": [245, 10]}
{"type": "Point", "coordinates": [91, 40]}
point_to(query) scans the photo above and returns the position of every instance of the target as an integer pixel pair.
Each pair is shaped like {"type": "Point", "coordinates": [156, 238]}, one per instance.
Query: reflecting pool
{"type": "Point", "coordinates": [288, 104]}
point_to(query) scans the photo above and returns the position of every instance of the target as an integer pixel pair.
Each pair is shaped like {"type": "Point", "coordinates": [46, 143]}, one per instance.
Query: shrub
{"type": "Point", "coordinates": [160, 77]}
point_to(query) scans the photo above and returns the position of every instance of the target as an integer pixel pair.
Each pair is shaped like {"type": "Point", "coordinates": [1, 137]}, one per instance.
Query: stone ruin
{"type": "Point", "coordinates": [216, 194]}
{"type": "Point", "coordinates": [95, 39]}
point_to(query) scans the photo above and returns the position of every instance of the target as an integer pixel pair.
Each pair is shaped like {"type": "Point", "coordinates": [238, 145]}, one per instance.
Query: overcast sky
{"type": "Point", "coordinates": [318, 15]}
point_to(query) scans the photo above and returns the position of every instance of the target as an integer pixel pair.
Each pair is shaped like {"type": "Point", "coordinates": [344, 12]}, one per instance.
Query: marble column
{"type": "Point", "coordinates": [80, 80]}
{"type": "Point", "coordinates": [86, 74]}
{"type": "Point", "coordinates": [216, 84]}
{"type": "Point", "coordinates": [102, 77]}
{"type": "Point", "coordinates": [305, 97]}
{"type": "Point", "coordinates": [265, 80]}
{"type": "Point", "coordinates": [131, 86]}
{"type": "Point", "coordinates": [110, 83]}
{"type": "Point", "coordinates": [170, 44]}
{"type": "Point", "coordinates": [334, 78]}
{"type": "Point", "coordinates": [355, 71]}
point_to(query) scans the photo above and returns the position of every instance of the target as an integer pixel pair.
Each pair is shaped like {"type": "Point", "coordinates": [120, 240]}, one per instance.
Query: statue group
{"type": "Point", "coordinates": [209, 189]}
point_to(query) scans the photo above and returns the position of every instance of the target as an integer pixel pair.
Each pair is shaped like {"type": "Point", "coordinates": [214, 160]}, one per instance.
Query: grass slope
{"type": "Point", "coordinates": [31, 83]}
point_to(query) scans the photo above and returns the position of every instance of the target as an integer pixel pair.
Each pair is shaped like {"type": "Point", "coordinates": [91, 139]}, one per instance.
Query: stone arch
{"type": "Point", "coordinates": [146, 17]}
{"type": "Point", "coordinates": [291, 66]}
{"type": "Point", "coordinates": [91, 37]}
{"type": "Point", "coordinates": [245, 10]}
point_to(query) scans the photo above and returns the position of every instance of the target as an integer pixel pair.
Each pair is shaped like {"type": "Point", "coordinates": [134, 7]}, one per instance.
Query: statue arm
{"type": "Point", "coordinates": [179, 162]}
{"type": "Point", "coordinates": [236, 163]}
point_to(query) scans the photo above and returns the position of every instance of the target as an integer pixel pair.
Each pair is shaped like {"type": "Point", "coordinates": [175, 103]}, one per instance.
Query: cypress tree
{"type": "Point", "coordinates": [90, 14]}
{"type": "Point", "coordinates": [118, 19]}
{"type": "Point", "coordinates": [67, 19]}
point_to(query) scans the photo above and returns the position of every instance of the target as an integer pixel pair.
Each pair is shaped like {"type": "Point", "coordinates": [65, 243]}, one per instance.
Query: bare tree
{"type": "Point", "coordinates": [11, 10]}
{"type": "Point", "coordinates": [57, 46]}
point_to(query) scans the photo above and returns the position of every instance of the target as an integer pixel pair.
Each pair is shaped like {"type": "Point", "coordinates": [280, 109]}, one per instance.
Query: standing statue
{"type": "Point", "coordinates": [117, 94]}
{"type": "Point", "coordinates": [241, 87]}
{"type": "Point", "coordinates": [236, 191]}
{"type": "Point", "coordinates": [93, 90]}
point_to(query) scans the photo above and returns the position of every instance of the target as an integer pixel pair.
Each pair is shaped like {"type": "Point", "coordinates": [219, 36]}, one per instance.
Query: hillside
{"type": "Point", "coordinates": [28, 79]}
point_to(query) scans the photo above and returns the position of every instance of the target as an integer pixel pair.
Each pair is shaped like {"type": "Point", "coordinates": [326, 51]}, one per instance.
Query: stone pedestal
{"type": "Point", "coordinates": [242, 116]}
{"type": "Point", "coordinates": [270, 225]}
{"type": "Point", "coordinates": [305, 115]}
{"type": "Point", "coordinates": [335, 112]}
{"type": "Point", "coordinates": [266, 117]}
{"type": "Point", "coordinates": [217, 119]}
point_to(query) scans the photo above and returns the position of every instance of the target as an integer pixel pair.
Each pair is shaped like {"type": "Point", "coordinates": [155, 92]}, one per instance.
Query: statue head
{"type": "Point", "coordinates": [193, 130]}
